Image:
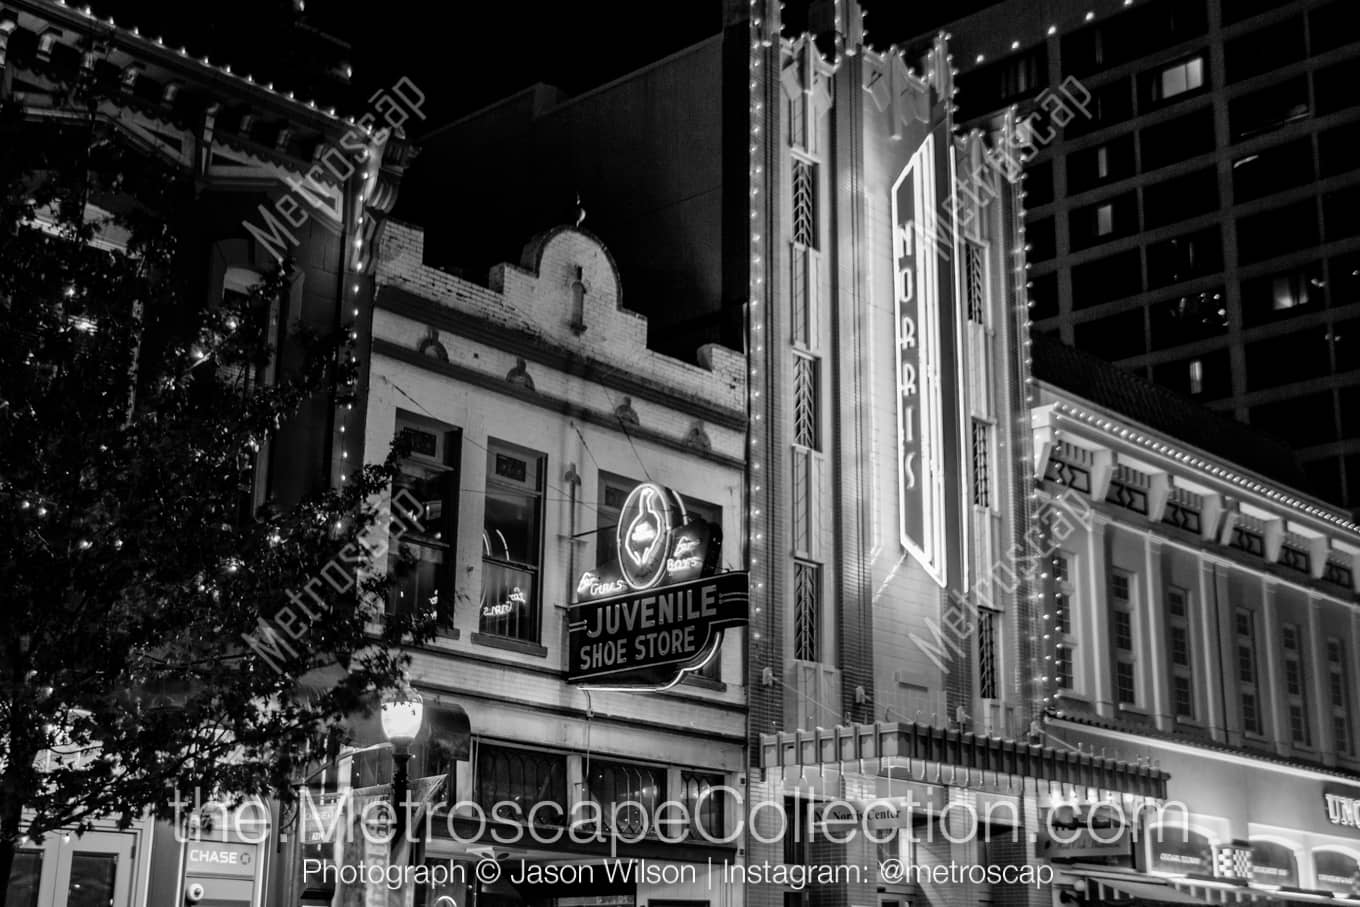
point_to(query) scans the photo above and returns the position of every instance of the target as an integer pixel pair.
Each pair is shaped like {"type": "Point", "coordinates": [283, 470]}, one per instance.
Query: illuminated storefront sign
{"type": "Point", "coordinates": [1343, 806]}
{"type": "Point", "coordinates": [925, 331]}
{"type": "Point", "coordinates": [658, 609]}
{"type": "Point", "coordinates": [1336, 872]}
{"type": "Point", "coordinates": [1273, 864]}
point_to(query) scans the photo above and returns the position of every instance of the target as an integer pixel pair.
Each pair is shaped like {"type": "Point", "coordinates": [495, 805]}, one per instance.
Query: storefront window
{"type": "Point", "coordinates": [511, 782]}
{"type": "Point", "coordinates": [628, 794]}
{"type": "Point", "coordinates": [703, 804]}
{"type": "Point", "coordinates": [24, 878]}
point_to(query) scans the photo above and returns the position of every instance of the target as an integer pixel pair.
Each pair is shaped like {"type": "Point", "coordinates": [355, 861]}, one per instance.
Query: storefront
{"type": "Point", "coordinates": [1252, 829]}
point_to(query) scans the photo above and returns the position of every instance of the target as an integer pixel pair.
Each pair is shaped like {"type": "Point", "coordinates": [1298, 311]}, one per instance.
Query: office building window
{"type": "Point", "coordinates": [1106, 279]}
{"type": "Point", "coordinates": [1338, 688]}
{"type": "Point", "coordinates": [1065, 642]}
{"type": "Point", "coordinates": [512, 542]}
{"type": "Point", "coordinates": [1272, 170]}
{"type": "Point", "coordinates": [1260, 51]}
{"type": "Point", "coordinates": [1178, 79]}
{"type": "Point", "coordinates": [807, 608]}
{"type": "Point", "coordinates": [1283, 294]}
{"type": "Point", "coordinates": [804, 175]}
{"type": "Point", "coordinates": [1123, 638]}
{"type": "Point", "coordinates": [1210, 379]}
{"type": "Point", "coordinates": [982, 470]}
{"type": "Point", "coordinates": [1185, 257]}
{"type": "Point", "coordinates": [1177, 140]}
{"type": "Point", "coordinates": [1248, 680]}
{"type": "Point", "coordinates": [1104, 220]}
{"type": "Point", "coordinates": [420, 560]}
{"type": "Point", "coordinates": [1266, 110]}
{"type": "Point", "coordinates": [1297, 356]}
{"type": "Point", "coordinates": [1188, 318]}
{"type": "Point", "coordinates": [1107, 162]}
{"type": "Point", "coordinates": [1113, 337]}
{"type": "Point", "coordinates": [1178, 636]}
{"type": "Point", "coordinates": [1180, 198]}
{"type": "Point", "coordinates": [1277, 232]}
{"type": "Point", "coordinates": [1295, 685]}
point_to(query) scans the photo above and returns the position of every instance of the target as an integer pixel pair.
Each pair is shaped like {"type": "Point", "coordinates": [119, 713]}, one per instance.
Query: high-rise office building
{"type": "Point", "coordinates": [1195, 222]}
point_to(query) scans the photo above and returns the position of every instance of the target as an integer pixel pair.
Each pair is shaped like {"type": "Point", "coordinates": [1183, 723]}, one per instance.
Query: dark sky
{"type": "Point", "coordinates": [465, 54]}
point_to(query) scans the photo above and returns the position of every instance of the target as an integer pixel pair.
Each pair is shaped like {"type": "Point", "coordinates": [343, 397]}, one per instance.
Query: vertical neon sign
{"type": "Point", "coordinates": [920, 432]}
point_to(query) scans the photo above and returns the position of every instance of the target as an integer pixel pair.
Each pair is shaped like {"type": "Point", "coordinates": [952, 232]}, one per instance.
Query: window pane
{"type": "Point", "coordinates": [24, 877]}
{"type": "Point", "coordinates": [1114, 337]}
{"type": "Point", "coordinates": [1180, 198]}
{"type": "Point", "coordinates": [1282, 294]}
{"type": "Point", "coordinates": [1185, 257]}
{"type": "Point", "coordinates": [522, 777]}
{"type": "Point", "coordinates": [1272, 170]}
{"type": "Point", "coordinates": [1271, 233]}
{"type": "Point", "coordinates": [1276, 45]}
{"type": "Point", "coordinates": [509, 601]}
{"type": "Point", "coordinates": [511, 532]}
{"type": "Point", "coordinates": [92, 880]}
{"type": "Point", "coordinates": [1177, 140]}
{"type": "Point", "coordinates": [1269, 108]}
{"type": "Point", "coordinates": [1107, 278]}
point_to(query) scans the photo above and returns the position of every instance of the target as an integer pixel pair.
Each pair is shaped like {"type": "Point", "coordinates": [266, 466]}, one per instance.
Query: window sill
{"type": "Point", "coordinates": [706, 683]}
{"type": "Point", "coordinates": [523, 646]}
{"type": "Point", "coordinates": [1125, 709]}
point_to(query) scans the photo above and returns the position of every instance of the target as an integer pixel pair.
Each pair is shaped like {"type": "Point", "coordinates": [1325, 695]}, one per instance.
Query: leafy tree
{"type": "Point", "coordinates": [130, 417]}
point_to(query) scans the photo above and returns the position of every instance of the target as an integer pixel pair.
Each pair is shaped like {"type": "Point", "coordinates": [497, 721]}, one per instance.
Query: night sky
{"type": "Point", "coordinates": [465, 55]}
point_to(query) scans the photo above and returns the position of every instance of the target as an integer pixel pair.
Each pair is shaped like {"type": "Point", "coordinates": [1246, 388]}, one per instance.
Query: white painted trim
{"type": "Point", "coordinates": [1202, 752]}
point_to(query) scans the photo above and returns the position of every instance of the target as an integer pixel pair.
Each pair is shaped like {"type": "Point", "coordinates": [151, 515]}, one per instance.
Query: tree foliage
{"type": "Point", "coordinates": [131, 415]}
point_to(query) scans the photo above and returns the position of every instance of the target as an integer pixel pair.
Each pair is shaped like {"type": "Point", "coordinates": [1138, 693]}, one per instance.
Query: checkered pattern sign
{"type": "Point", "coordinates": [1232, 861]}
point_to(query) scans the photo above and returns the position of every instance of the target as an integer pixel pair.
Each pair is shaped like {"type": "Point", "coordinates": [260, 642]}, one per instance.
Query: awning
{"type": "Point", "coordinates": [1144, 892]}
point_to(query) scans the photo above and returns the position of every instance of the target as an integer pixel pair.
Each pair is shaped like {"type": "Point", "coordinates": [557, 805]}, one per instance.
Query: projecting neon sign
{"type": "Point", "coordinates": [920, 431]}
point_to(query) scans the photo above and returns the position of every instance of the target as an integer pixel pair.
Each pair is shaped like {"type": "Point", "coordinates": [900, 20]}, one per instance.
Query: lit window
{"type": "Point", "coordinates": [1182, 77]}
{"type": "Point", "coordinates": [1103, 162]}
{"type": "Point", "coordinates": [421, 566]}
{"type": "Point", "coordinates": [1196, 376]}
{"type": "Point", "coordinates": [1105, 220]}
{"type": "Point", "coordinates": [1289, 290]}
{"type": "Point", "coordinates": [511, 542]}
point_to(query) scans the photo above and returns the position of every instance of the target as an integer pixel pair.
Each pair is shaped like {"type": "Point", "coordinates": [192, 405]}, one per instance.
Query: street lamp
{"type": "Point", "coordinates": [402, 713]}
